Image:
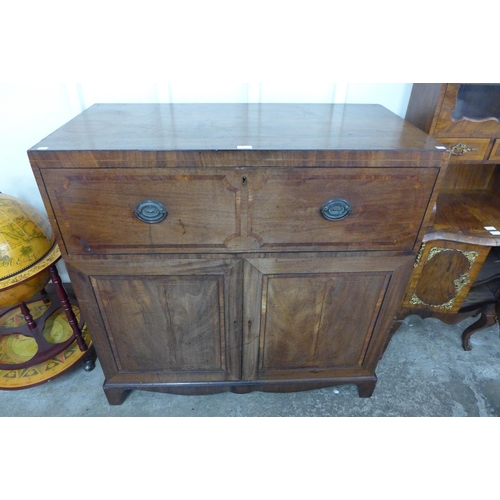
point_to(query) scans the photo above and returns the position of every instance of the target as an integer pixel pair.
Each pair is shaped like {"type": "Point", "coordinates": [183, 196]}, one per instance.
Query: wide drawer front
{"type": "Point", "coordinates": [108, 211]}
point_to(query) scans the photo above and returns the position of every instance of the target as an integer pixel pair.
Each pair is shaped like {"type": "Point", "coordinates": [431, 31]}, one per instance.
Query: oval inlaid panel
{"type": "Point", "coordinates": [436, 284]}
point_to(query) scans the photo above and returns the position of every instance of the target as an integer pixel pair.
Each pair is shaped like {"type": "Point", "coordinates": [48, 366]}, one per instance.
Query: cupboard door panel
{"type": "Point", "coordinates": [181, 318]}
{"type": "Point", "coordinates": [318, 321]}
{"type": "Point", "coordinates": [169, 325]}
{"type": "Point", "coordinates": [306, 319]}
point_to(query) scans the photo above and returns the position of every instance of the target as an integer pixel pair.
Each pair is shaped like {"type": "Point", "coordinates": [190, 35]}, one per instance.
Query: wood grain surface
{"type": "Point", "coordinates": [244, 285]}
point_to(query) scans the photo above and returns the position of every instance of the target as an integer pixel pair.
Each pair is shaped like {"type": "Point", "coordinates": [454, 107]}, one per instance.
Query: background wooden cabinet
{"type": "Point", "coordinates": [242, 283]}
{"type": "Point", "coordinates": [448, 281]}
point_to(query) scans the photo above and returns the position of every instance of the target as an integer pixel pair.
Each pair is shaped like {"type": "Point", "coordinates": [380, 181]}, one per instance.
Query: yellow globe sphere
{"type": "Point", "coordinates": [27, 249]}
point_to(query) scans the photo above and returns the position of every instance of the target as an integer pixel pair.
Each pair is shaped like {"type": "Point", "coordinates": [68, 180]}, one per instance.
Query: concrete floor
{"type": "Point", "coordinates": [424, 372]}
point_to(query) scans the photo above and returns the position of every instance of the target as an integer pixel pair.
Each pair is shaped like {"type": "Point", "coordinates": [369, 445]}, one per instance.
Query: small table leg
{"type": "Point", "coordinates": [27, 316]}
{"type": "Point", "coordinates": [66, 305]}
{"type": "Point", "coordinates": [486, 319]}
{"type": "Point", "coordinates": [89, 359]}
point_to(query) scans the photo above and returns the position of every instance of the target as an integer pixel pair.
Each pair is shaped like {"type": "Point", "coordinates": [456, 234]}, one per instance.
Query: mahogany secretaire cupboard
{"type": "Point", "coordinates": [239, 247]}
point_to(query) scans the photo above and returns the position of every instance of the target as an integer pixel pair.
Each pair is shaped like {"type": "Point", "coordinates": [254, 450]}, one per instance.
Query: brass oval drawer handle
{"type": "Point", "coordinates": [460, 149]}
{"type": "Point", "coordinates": [150, 211]}
{"type": "Point", "coordinates": [336, 209]}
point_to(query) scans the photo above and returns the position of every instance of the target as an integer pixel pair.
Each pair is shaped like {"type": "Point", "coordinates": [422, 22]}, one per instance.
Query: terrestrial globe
{"type": "Point", "coordinates": [27, 249]}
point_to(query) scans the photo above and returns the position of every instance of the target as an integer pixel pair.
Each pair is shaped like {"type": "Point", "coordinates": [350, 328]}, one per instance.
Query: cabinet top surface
{"type": "Point", "coordinates": [216, 127]}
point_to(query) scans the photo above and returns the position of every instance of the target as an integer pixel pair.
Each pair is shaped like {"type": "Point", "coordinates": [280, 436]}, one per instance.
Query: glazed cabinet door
{"type": "Point", "coordinates": [320, 317]}
{"type": "Point", "coordinates": [163, 321]}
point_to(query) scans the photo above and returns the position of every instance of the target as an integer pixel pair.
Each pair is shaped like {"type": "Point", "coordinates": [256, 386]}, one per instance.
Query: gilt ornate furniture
{"type": "Point", "coordinates": [238, 247]}
{"type": "Point", "coordinates": [455, 275]}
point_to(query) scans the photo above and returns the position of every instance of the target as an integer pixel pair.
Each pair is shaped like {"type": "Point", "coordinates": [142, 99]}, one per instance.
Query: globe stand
{"type": "Point", "coordinates": [33, 328]}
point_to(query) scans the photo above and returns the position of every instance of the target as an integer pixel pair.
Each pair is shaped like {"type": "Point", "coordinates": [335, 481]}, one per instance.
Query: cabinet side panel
{"type": "Point", "coordinates": [423, 101]}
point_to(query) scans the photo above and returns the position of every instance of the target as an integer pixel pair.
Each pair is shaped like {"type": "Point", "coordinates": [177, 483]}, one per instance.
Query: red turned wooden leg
{"type": "Point", "coordinates": [45, 296]}
{"type": "Point", "coordinates": [27, 316]}
{"type": "Point", "coordinates": [66, 305]}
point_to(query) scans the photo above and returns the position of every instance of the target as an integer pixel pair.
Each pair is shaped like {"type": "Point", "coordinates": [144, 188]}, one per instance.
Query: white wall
{"type": "Point", "coordinates": [30, 112]}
